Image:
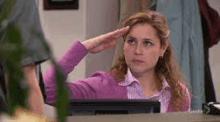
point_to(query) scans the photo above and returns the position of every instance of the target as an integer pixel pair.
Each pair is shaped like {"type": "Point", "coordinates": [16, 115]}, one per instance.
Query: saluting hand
{"type": "Point", "coordinates": [99, 43]}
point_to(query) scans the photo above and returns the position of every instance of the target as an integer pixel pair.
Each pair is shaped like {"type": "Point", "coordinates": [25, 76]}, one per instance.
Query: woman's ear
{"type": "Point", "coordinates": [164, 48]}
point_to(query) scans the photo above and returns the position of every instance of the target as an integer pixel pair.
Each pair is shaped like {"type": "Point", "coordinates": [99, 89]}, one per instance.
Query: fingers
{"type": "Point", "coordinates": [121, 31]}
{"type": "Point", "coordinates": [117, 33]}
{"type": "Point", "coordinates": [112, 43]}
{"type": "Point", "coordinates": [107, 45]}
{"type": "Point", "coordinates": [103, 41]}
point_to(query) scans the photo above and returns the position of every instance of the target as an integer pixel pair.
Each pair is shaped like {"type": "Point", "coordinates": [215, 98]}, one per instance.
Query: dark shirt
{"type": "Point", "coordinates": [210, 24]}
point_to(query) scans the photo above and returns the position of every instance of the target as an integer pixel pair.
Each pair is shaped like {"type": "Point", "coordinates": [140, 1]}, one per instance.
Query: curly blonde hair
{"type": "Point", "coordinates": [166, 66]}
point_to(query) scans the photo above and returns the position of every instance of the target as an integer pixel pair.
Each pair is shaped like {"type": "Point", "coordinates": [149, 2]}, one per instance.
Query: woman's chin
{"type": "Point", "coordinates": [137, 70]}
{"type": "Point", "coordinates": [140, 70]}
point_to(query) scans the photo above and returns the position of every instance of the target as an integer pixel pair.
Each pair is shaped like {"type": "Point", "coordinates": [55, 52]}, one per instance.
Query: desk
{"type": "Point", "coordinates": [193, 116]}
{"type": "Point", "coordinates": [160, 117]}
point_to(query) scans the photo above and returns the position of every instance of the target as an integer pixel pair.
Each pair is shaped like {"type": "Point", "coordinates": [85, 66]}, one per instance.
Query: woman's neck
{"type": "Point", "coordinates": [148, 81]}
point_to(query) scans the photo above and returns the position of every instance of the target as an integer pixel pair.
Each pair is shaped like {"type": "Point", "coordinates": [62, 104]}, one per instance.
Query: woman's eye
{"type": "Point", "coordinates": [148, 43]}
{"type": "Point", "coordinates": [131, 41]}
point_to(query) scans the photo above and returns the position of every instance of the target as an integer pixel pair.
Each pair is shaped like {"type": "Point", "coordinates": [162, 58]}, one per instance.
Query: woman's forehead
{"type": "Point", "coordinates": [142, 31]}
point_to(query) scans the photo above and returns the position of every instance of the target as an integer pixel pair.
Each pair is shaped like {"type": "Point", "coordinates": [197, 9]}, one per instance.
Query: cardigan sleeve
{"type": "Point", "coordinates": [67, 62]}
{"type": "Point", "coordinates": [99, 84]}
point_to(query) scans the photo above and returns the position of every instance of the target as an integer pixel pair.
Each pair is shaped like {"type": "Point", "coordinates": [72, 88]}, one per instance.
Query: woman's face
{"type": "Point", "coordinates": [142, 48]}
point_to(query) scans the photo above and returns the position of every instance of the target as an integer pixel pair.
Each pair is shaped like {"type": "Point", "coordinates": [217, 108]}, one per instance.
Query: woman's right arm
{"type": "Point", "coordinates": [74, 55]}
{"type": "Point", "coordinates": [67, 62]}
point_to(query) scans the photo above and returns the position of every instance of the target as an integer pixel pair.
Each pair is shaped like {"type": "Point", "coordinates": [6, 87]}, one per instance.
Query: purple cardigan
{"type": "Point", "coordinates": [99, 85]}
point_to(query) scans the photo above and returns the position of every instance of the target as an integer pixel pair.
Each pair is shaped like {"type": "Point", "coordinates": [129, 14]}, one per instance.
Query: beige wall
{"type": "Point", "coordinates": [61, 27]}
{"type": "Point", "coordinates": [214, 58]}
{"type": "Point", "coordinates": [101, 17]}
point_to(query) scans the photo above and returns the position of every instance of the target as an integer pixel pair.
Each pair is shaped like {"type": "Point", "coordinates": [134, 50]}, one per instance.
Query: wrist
{"type": "Point", "coordinates": [86, 44]}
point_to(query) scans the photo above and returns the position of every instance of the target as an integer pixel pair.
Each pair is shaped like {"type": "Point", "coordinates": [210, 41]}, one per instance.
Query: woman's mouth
{"type": "Point", "coordinates": [137, 61]}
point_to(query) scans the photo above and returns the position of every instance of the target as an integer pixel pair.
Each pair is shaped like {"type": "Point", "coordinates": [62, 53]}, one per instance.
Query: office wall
{"type": "Point", "coordinates": [61, 27]}
{"type": "Point", "coordinates": [101, 17]}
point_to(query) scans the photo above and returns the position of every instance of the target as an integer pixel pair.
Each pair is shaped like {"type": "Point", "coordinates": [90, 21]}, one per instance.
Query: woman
{"type": "Point", "coordinates": [147, 68]}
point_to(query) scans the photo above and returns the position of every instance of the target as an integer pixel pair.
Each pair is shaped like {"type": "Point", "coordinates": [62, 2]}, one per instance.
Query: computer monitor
{"type": "Point", "coordinates": [113, 106]}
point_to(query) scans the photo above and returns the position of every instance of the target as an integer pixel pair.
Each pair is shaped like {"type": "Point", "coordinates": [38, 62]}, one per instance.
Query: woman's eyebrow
{"type": "Point", "coordinates": [147, 39]}
{"type": "Point", "coordinates": [131, 37]}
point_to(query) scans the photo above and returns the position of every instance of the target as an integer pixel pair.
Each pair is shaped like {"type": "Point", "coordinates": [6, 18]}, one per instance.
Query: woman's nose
{"type": "Point", "coordinates": [138, 49]}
